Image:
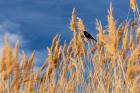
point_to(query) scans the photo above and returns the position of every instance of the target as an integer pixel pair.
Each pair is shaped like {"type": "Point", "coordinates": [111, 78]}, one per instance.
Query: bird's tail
{"type": "Point", "coordinates": [94, 40]}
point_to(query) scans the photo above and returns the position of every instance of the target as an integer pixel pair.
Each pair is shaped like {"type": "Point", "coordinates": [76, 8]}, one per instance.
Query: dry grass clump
{"type": "Point", "coordinates": [111, 65]}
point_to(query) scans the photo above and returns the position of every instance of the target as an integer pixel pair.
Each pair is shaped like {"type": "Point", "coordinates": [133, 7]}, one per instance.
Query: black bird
{"type": "Point", "coordinates": [88, 36]}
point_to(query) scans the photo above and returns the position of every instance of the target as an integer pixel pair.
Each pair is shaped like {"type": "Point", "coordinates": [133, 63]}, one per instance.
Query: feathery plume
{"type": "Point", "coordinates": [133, 5]}
{"type": "Point", "coordinates": [73, 23]}
{"type": "Point", "coordinates": [80, 23]}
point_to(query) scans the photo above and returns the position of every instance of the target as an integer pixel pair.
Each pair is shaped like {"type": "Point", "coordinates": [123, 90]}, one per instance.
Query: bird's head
{"type": "Point", "coordinates": [85, 31]}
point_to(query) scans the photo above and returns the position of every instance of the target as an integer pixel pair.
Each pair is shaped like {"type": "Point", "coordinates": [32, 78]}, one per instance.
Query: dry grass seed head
{"type": "Point", "coordinates": [134, 57]}
{"type": "Point", "coordinates": [81, 26]}
{"type": "Point", "coordinates": [133, 5]}
{"type": "Point", "coordinates": [73, 23]}
{"type": "Point", "coordinates": [112, 46]}
{"type": "Point", "coordinates": [101, 36]}
{"type": "Point", "coordinates": [136, 85]}
{"type": "Point", "coordinates": [111, 24]}
{"type": "Point", "coordinates": [31, 62]}
{"type": "Point", "coordinates": [6, 53]}
{"type": "Point", "coordinates": [24, 61]}
{"type": "Point", "coordinates": [54, 42]}
{"type": "Point", "coordinates": [132, 72]}
{"type": "Point", "coordinates": [125, 39]}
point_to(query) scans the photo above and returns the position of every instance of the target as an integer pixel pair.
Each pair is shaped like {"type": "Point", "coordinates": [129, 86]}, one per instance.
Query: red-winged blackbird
{"type": "Point", "coordinates": [88, 36]}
